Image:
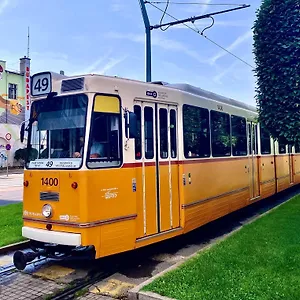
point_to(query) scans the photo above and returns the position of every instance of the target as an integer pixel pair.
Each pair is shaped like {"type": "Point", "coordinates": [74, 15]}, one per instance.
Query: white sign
{"type": "Point", "coordinates": [55, 164]}
{"type": "Point", "coordinates": [41, 84]}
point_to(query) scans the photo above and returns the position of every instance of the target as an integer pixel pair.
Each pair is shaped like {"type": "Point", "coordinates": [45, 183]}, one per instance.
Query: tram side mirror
{"type": "Point", "coordinates": [131, 125]}
{"type": "Point", "coordinates": [22, 132]}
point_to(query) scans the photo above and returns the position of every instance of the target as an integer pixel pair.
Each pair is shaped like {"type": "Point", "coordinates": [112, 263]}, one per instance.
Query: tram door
{"type": "Point", "coordinates": [156, 150]}
{"type": "Point", "coordinates": [253, 160]}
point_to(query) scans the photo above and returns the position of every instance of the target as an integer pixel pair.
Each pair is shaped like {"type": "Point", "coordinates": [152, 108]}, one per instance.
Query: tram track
{"type": "Point", "coordinates": [70, 293]}
{"type": "Point", "coordinates": [8, 269]}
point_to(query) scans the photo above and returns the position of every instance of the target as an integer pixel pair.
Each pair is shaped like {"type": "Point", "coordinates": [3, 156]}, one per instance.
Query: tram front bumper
{"type": "Point", "coordinates": [52, 237]}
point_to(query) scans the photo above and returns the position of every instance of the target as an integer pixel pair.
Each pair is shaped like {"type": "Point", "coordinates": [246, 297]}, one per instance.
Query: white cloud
{"type": "Point", "coordinates": [200, 24]}
{"type": "Point", "coordinates": [117, 5]}
{"type": "Point", "coordinates": [111, 63]}
{"type": "Point", "coordinates": [166, 44]}
{"type": "Point", "coordinates": [241, 39]}
{"type": "Point", "coordinates": [226, 71]}
{"type": "Point", "coordinates": [3, 5]}
{"type": "Point", "coordinates": [200, 9]}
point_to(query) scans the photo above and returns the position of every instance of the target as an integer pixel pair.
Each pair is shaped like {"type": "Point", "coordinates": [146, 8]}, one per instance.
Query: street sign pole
{"type": "Point", "coordinates": [8, 147]}
{"type": "Point", "coordinates": [7, 153]}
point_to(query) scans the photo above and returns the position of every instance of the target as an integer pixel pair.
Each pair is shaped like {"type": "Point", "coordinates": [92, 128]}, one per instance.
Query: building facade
{"type": "Point", "coordinates": [14, 109]}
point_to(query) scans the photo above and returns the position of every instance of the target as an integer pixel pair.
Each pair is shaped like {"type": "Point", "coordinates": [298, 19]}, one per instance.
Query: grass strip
{"type": "Point", "coordinates": [260, 261]}
{"type": "Point", "coordinates": [11, 224]}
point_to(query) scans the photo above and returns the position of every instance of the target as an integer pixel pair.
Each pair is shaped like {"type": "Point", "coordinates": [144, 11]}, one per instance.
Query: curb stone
{"type": "Point", "coordinates": [137, 294]}
{"type": "Point", "coordinates": [13, 247]}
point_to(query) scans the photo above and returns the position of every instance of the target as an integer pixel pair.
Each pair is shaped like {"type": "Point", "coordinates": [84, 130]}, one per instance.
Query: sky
{"type": "Point", "coordinates": [108, 37]}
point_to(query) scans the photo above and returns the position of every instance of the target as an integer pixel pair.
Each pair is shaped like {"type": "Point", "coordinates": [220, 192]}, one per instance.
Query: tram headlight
{"type": "Point", "coordinates": [47, 211]}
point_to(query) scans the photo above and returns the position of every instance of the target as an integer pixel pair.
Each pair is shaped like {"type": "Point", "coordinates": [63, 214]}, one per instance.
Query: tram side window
{"type": "Point", "coordinates": [220, 134]}
{"type": "Point", "coordinates": [105, 138]}
{"type": "Point", "coordinates": [138, 139]}
{"type": "Point", "coordinates": [163, 132]}
{"type": "Point", "coordinates": [252, 139]}
{"type": "Point", "coordinates": [149, 140]}
{"type": "Point", "coordinates": [297, 148]}
{"type": "Point", "coordinates": [173, 131]}
{"type": "Point", "coordinates": [196, 131]}
{"type": "Point", "coordinates": [238, 136]}
{"type": "Point", "coordinates": [282, 147]}
{"type": "Point", "coordinates": [265, 142]}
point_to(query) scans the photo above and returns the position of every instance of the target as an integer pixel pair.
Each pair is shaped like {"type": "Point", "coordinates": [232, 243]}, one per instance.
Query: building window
{"type": "Point", "coordinates": [196, 131]}
{"type": "Point", "coordinates": [12, 91]}
{"type": "Point", "coordinates": [220, 134]}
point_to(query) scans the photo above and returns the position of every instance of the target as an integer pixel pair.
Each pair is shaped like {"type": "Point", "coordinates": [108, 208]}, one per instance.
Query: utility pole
{"type": "Point", "coordinates": [148, 29]}
{"type": "Point", "coordinates": [148, 40]}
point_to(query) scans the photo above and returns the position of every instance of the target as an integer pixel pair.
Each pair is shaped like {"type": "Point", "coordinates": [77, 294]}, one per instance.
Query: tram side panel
{"type": "Point", "coordinates": [214, 188]}
{"type": "Point", "coordinates": [282, 172]}
{"type": "Point", "coordinates": [267, 175]}
{"type": "Point", "coordinates": [296, 168]}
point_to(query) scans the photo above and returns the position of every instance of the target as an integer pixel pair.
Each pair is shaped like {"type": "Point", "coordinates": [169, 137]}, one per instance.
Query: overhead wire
{"type": "Point", "coordinates": [164, 13]}
{"type": "Point", "coordinates": [201, 34]}
{"type": "Point", "coordinates": [195, 3]}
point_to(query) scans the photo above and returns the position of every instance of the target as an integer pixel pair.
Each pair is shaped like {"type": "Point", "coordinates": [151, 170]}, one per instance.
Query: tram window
{"type": "Point", "coordinates": [163, 132]}
{"type": "Point", "coordinates": [252, 139]}
{"type": "Point", "coordinates": [196, 131]}
{"type": "Point", "coordinates": [297, 148]}
{"type": "Point", "coordinates": [57, 131]}
{"type": "Point", "coordinates": [149, 141]}
{"type": "Point", "coordinates": [138, 139]}
{"type": "Point", "coordinates": [173, 133]}
{"type": "Point", "coordinates": [105, 139]}
{"type": "Point", "coordinates": [238, 136]}
{"type": "Point", "coordinates": [265, 142]}
{"type": "Point", "coordinates": [282, 147]}
{"type": "Point", "coordinates": [255, 139]}
{"type": "Point", "coordinates": [220, 134]}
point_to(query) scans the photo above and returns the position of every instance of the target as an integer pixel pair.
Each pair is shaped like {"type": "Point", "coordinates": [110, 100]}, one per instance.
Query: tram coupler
{"type": "Point", "coordinates": [21, 259]}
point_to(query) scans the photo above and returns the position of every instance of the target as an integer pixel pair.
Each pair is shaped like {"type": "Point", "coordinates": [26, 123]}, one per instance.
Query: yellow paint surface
{"type": "Point", "coordinates": [107, 104]}
{"type": "Point", "coordinates": [113, 288]}
{"type": "Point", "coordinates": [54, 272]}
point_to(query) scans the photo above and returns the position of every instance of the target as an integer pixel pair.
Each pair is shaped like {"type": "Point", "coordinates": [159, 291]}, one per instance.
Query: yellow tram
{"type": "Point", "coordinates": [116, 164]}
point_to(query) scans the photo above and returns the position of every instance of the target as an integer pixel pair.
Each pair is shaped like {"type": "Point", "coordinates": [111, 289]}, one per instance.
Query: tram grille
{"type": "Point", "coordinates": [49, 196]}
{"type": "Point", "coordinates": [72, 85]}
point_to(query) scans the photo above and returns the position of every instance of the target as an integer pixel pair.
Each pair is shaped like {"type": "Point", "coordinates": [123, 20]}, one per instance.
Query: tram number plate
{"type": "Point", "coordinates": [49, 181]}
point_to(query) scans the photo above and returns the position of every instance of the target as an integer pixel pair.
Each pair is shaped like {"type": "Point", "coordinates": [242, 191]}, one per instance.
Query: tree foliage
{"type": "Point", "coordinates": [277, 55]}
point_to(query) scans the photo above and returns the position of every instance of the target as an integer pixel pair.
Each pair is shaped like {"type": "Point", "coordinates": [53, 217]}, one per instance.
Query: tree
{"type": "Point", "coordinates": [277, 56]}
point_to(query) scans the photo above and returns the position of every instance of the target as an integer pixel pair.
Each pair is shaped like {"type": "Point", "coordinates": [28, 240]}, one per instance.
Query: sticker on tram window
{"type": "Point", "coordinates": [54, 164]}
{"type": "Point", "coordinates": [49, 181]}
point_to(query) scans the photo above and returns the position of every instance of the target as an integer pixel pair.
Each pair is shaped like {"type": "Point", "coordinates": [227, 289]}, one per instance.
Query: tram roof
{"type": "Point", "coordinates": [207, 94]}
{"type": "Point", "coordinates": [184, 87]}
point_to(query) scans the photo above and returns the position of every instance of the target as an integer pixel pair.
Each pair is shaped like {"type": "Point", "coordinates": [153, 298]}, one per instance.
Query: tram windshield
{"type": "Point", "coordinates": [56, 132]}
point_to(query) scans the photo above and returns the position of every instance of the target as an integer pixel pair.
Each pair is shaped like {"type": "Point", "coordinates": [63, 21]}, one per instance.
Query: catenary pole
{"type": "Point", "coordinates": [148, 40]}
{"type": "Point", "coordinates": [148, 28]}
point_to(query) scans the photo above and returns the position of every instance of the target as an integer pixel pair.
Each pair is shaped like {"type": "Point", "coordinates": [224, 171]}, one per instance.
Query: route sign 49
{"type": "Point", "coordinates": [41, 84]}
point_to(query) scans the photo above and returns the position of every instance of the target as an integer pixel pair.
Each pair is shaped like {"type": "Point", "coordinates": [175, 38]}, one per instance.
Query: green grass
{"type": "Point", "coordinates": [261, 261]}
{"type": "Point", "coordinates": [11, 224]}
